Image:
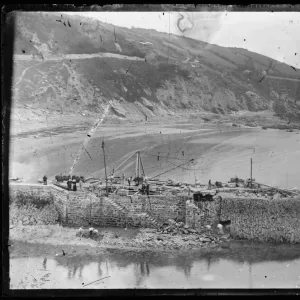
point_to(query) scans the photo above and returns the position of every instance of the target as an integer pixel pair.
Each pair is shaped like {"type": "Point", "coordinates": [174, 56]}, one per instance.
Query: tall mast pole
{"type": "Point", "coordinates": [251, 172]}
{"type": "Point", "coordinates": [105, 167]}
{"type": "Point", "coordinates": [142, 166]}
{"type": "Point", "coordinates": [138, 164]}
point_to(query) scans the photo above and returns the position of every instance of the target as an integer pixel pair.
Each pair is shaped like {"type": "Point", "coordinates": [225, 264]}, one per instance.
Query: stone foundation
{"type": "Point", "coordinates": [263, 220]}
{"type": "Point", "coordinates": [251, 219]}
{"type": "Point", "coordinates": [78, 209]}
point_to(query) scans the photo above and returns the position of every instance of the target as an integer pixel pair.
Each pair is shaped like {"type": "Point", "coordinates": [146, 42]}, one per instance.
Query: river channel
{"type": "Point", "coordinates": [239, 266]}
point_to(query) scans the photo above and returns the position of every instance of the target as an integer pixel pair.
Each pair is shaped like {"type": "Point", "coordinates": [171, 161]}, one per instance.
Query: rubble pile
{"type": "Point", "coordinates": [205, 234]}
{"type": "Point", "coordinates": [172, 236]}
{"type": "Point", "coordinates": [271, 194]}
{"type": "Point", "coordinates": [156, 240]}
{"type": "Point", "coordinates": [172, 227]}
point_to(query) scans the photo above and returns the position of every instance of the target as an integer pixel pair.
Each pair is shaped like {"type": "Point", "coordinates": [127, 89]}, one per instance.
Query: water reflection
{"type": "Point", "coordinates": [250, 276]}
{"type": "Point", "coordinates": [144, 261]}
{"type": "Point", "coordinates": [44, 263]}
{"type": "Point", "coordinates": [209, 260]}
{"type": "Point", "coordinates": [187, 270]}
{"type": "Point", "coordinates": [100, 273]}
{"type": "Point", "coordinates": [144, 268]}
{"type": "Point", "coordinates": [235, 268]}
{"type": "Point", "coordinates": [76, 263]}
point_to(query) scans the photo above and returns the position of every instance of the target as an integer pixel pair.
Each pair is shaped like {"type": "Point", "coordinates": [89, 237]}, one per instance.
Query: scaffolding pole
{"type": "Point", "coordinates": [105, 168]}
{"type": "Point", "coordinates": [251, 172]}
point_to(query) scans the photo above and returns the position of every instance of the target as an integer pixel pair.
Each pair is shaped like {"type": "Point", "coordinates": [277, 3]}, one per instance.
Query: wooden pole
{"type": "Point", "coordinates": [90, 211]}
{"type": "Point", "coordinates": [105, 168]}
{"type": "Point", "coordinates": [194, 219]}
{"type": "Point", "coordinates": [251, 172]}
{"type": "Point", "coordinates": [138, 175]}
{"type": "Point", "coordinates": [67, 214]}
{"type": "Point", "coordinates": [137, 163]}
{"type": "Point", "coordinates": [142, 166]}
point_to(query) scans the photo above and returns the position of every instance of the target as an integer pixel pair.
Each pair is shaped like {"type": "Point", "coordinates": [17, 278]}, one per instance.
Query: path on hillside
{"type": "Point", "coordinates": [283, 78]}
{"type": "Point", "coordinates": [78, 56]}
{"type": "Point", "coordinates": [23, 73]}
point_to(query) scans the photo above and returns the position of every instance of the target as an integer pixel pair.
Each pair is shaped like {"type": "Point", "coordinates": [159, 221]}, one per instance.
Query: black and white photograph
{"type": "Point", "coordinates": [154, 149]}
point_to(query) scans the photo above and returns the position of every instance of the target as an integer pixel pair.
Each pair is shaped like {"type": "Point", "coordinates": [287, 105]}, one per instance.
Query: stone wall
{"type": "Point", "coordinates": [202, 213]}
{"type": "Point", "coordinates": [159, 207]}
{"type": "Point", "coordinates": [86, 209]}
{"type": "Point", "coordinates": [263, 220]}
{"type": "Point", "coordinates": [252, 219]}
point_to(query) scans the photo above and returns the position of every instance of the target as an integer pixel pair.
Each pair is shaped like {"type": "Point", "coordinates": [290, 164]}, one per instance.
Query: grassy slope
{"type": "Point", "coordinates": [215, 83]}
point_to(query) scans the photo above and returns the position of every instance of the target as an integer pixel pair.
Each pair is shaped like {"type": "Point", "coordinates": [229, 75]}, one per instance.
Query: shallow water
{"type": "Point", "coordinates": [237, 268]}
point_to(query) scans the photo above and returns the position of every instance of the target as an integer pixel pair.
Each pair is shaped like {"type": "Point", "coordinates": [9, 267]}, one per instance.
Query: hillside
{"type": "Point", "coordinates": [76, 65]}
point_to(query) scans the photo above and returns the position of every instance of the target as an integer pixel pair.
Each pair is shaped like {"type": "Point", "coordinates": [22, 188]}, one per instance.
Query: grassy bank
{"type": "Point", "coordinates": [32, 208]}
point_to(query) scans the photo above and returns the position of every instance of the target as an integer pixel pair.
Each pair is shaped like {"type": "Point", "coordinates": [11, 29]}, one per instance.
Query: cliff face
{"type": "Point", "coordinates": [73, 64]}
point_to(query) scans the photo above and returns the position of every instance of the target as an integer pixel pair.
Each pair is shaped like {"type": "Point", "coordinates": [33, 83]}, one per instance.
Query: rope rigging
{"type": "Point", "coordinates": [161, 156]}
{"type": "Point", "coordinates": [171, 169]}
{"type": "Point", "coordinates": [185, 168]}
{"type": "Point", "coordinates": [186, 141]}
{"type": "Point", "coordinates": [124, 161]}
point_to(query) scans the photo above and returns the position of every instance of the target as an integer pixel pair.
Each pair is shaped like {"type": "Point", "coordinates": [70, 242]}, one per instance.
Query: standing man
{"type": "Point", "coordinates": [148, 189]}
{"type": "Point", "coordinates": [45, 180]}
{"type": "Point", "coordinates": [146, 179]}
{"type": "Point", "coordinates": [69, 183]}
{"type": "Point", "coordinates": [189, 190]}
{"type": "Point", "coordinates": [196, 182]}
{"type": "Point", "coordinates": [80, 184]}
{"type": "Point", "coordinates": [74, 185]}
{"type": "Point", "coordinates": [143, 188]}
{"type": "Point", "coordinates": [209, 184]}
{"type": "Point", "coordinates": [111, 179]}
{"type": "Point", "coordinates": [129, 180]}
{"type": "Point", "coordinates": [136, 180]}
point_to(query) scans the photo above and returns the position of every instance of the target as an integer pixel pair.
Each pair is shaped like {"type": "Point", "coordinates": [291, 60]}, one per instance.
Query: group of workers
{"type": "Point", "coordinates": [136, 179]}
{"type": "Point", "coordinates": [145, 184]}
{"type": "Point", "coordinates": [198, 184]}
{"type": "Point", "coordinates": [72, 184]}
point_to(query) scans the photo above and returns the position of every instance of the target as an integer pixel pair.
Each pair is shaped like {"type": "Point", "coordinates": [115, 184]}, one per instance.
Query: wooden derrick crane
{"type": "Point", "coordinates": [139, 168]}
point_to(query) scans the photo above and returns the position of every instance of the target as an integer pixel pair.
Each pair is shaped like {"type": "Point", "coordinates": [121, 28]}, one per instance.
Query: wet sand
{"type": "Point", "coordinates": [219, 152]}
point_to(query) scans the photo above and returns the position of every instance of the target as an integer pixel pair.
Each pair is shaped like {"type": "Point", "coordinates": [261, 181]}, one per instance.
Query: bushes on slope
{"type": "Point", "coordinates": [31, 208]}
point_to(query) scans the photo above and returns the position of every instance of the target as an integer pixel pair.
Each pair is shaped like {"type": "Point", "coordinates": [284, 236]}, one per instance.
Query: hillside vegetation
{"type": "Point", "coordinates": [56, 67]}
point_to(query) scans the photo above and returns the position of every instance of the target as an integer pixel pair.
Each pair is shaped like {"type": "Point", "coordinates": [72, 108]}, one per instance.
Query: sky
{"type": "Point", "coordinates": [276, 34]}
